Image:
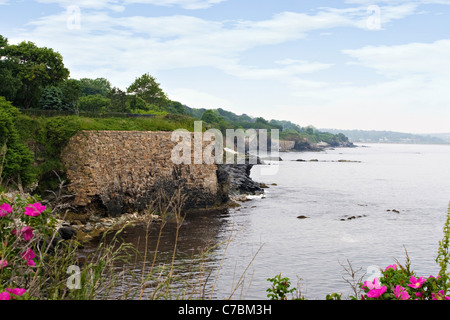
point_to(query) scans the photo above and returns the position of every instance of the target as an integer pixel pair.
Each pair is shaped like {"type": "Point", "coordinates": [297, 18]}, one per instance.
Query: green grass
{"type": "Point", "coordinates": [159, 123]}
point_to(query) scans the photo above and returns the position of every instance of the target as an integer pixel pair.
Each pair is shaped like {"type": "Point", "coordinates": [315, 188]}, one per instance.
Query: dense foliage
{"type": "Point", "coordinates": [28, 70]}
{"type": "Point", "coordinates": [16, 159]}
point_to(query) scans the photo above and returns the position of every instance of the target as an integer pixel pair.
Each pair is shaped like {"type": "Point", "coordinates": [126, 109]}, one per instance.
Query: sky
{"type": "Point", "coordinates": [350, 64]}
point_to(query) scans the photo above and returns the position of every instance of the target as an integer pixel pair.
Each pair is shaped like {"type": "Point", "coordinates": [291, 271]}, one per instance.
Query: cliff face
{"type": "Point", "coordinates": [236, 178]}
{"type": "Point", "coordinates": [122, 171]}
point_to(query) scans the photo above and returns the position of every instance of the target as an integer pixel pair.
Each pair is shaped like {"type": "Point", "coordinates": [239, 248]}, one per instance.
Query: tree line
{"type": "Point", "coordinates": [35, 78]}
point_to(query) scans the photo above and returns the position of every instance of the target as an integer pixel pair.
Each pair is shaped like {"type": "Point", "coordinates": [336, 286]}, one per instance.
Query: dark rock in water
{"type": "Point", "coordinates": [238, 178]}
{"type": "Point", "coordinates": [302, 217]}
{"type": "Point", "coordinates": [345, 218]}
{"type": "Point", "coordinates": [355, 161]}
{"type": "Point", "coordinates": [67, 233]}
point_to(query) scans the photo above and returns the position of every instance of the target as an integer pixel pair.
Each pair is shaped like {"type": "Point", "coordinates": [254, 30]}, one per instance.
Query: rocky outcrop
{"type": "Point", "coordinates": [237, 179]}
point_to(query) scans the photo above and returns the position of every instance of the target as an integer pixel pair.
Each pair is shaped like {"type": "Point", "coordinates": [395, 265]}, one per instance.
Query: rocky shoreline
{"type": "Point", "coordinates": [235, 180]}
{"type": "Point", "coordinates": [88, 226]}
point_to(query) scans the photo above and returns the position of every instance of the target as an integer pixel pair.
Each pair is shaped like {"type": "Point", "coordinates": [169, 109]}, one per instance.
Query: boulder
{"type": "Point", "coordinates": [67, 232]}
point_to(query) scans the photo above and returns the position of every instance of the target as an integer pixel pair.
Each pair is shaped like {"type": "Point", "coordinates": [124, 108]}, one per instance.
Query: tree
{"type": "Point", "coordinates": [99, 86]}
{"type": "Point", "coordinates": [36, 68]}
{"type": "Point", "coordinates": [62, 98]}
{"type": "Point", "coordinates": [310, 130]}
{"type": "Point", "coordinates": [176, 107]}
{"type": "Point", "coordinates": [9, 84]}
{"type": "Point", "coordinates": [135, 103]}
{"type": "Point", "coordinates": [51, 99]}
{"type": "Point", "coordinates": [94, 103]}
{"type": "Point", "coordinates": [71, 90]}
{"type": "Point", "coordinates": [210, 116]}
{"type": "Point", "coordinates": [215, 120]}
{"type": "Point", "coordinates": [149, 90]}
{"type": "Point", "coordinates": [16, 159]}
{"type": "Point", "coordinates": [118, 100]}
{"type": "Point", "coordinates": [261, 120]}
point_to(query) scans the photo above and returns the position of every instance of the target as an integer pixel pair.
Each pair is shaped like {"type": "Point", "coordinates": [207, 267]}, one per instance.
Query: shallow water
{"type": "Point", "coordinates": [268, 238]}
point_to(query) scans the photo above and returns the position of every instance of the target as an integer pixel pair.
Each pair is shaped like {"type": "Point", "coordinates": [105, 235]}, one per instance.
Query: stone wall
{"type": "Point", "coordinates": [120, 172]}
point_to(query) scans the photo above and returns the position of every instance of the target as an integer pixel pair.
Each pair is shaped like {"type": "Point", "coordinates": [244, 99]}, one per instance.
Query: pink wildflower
{"type": "Point", "coordinates": [3, 263]}
{"type": "Point", "coordinates": [416, 283]}
{"type": "Point", "coordinates": [29, 255]}
{"type": "Point", "coordinates": [371, 285]}
{"type": "Point", "coordinates": [16, 291]}
{"type": "Point", "coordinates": [440, 296]}
{"type": "Point", "coordinates": [35, 209]}
{"type": "Point", "coordinates": [5, 296]}
{"type": "Point", "coordinates": [375, 290]}
{"type": "Point", "coordinates": [27, 233]}
{"type": "Point", "coordinates": [5, 209]}
{"type": "Point", "coordinates": [376, 293]}
{"type": "Point", "coordinates": [392, 266]}
{"type": "Point", "coordinates": [400, 293]}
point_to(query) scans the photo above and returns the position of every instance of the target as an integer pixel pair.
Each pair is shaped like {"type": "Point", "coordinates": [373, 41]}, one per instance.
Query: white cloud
{"type": "Point", "coordinates": [364, 17]}
{"type": "Point", "coordinates": [118, 5]}
{"type": "Point", "coordinates": [148, 44]}
{"type": "Point", "coordinates": [431, 60]}
{"type": "Point", "coordinates": [176, 26]}
{"type": "Point", "coordinates": [372, 2]}
{"type": "Point", "coordinates": [89, 4]}
{"type": "Point", "coordinates": [180, 41]}
{"type": "Point", "coordinates": [186, 4]}
{"type": "Point", "coordinates": [291, 68]}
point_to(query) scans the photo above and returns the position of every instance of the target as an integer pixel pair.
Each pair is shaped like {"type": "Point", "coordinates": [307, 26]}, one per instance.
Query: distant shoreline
{"type": "Point", "coordinates": [375, 136]}
{"type": "Point", "coordinates": [361, 144]}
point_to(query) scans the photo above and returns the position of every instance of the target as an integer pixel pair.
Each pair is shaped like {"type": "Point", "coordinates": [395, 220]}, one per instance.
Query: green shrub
{"type": "Point", "coordinates": [16, 159]}
{"type": "Point", "coordinates": [280, 288]}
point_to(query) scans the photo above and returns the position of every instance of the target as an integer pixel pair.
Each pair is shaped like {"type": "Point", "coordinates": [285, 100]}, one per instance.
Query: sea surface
{"type": "Point", "coordinates": [315, 220]}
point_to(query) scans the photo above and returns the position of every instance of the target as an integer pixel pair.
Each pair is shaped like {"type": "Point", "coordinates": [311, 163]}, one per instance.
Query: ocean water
{"type": "Point", "coordinates": [348, 217]}
{"type": "Point", "coordinates": [411, 179]}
